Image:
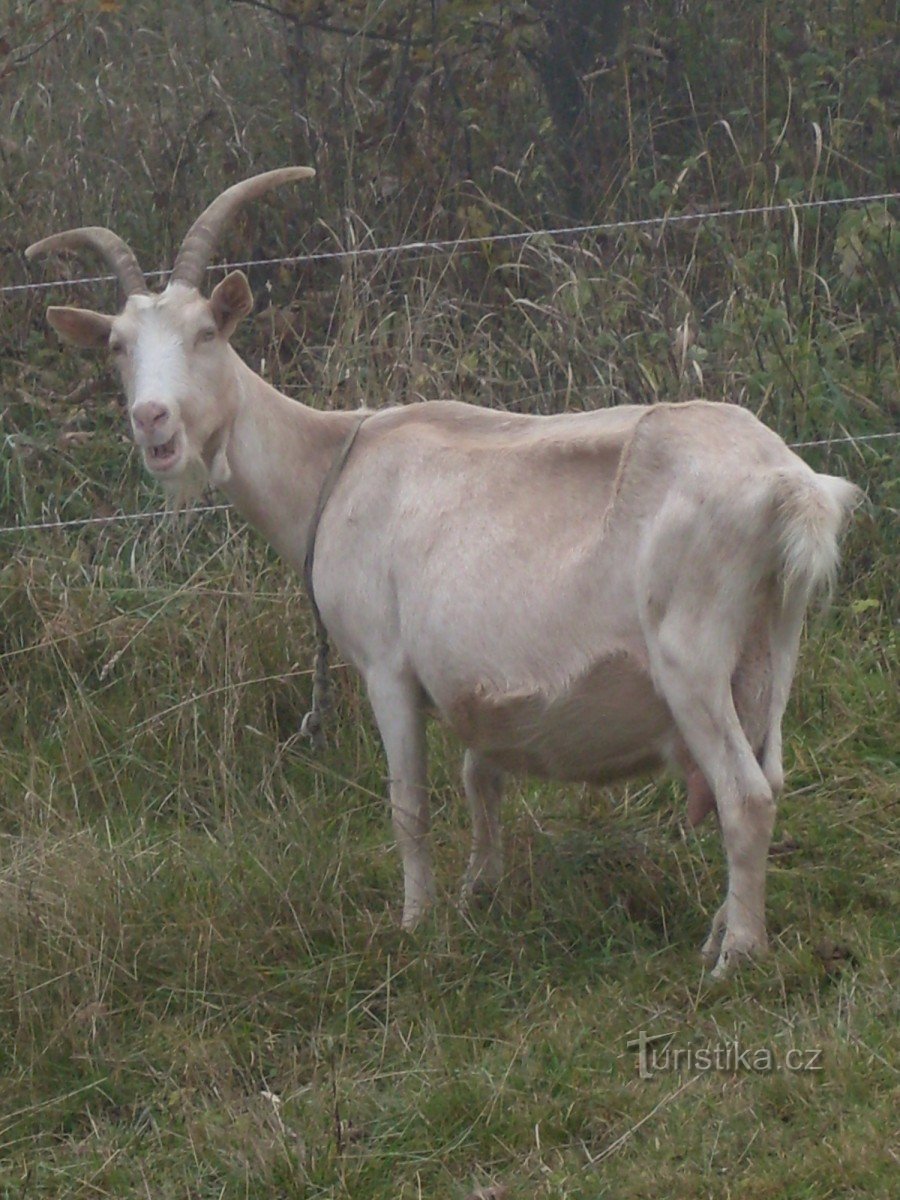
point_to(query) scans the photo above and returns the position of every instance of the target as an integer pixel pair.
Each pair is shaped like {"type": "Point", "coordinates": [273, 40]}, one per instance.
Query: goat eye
{"type": "Point", "coordinates": [117, 348]}
{"type": "Point", "coordinates": [205, 335]}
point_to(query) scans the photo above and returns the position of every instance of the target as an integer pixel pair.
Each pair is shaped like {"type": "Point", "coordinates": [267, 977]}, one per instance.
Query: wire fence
{"type": "Point", "coordinates": [114, 518]}
{"type": "Point", "coordinates": [465, 244]}
{"type": "Point", "coordinates": [450, 246]}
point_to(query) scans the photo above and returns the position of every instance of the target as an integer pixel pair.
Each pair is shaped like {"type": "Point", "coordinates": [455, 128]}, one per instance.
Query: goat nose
{"type": "Point", "coordinates": [149, 415]}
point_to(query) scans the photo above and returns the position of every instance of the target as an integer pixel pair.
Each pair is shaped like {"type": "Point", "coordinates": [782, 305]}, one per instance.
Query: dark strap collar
{"type": "Point", "coordinates": [321, 695]}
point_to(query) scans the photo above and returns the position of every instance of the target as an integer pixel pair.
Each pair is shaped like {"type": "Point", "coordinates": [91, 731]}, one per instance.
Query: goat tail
{"type": "Point", "coordinates": [812, 512]}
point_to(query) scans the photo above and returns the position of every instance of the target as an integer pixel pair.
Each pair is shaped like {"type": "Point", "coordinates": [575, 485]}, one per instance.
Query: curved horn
{"type": "Point", "coordinates": [118, 254]}
{"type": "Point", "coordinates": [200, 241]}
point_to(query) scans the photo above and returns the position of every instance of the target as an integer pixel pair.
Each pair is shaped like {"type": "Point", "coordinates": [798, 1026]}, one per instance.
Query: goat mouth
{"type": "Point", "coordinates": [162, 458]}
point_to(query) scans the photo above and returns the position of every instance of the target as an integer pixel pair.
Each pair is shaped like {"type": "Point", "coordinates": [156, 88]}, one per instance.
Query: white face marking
{"type": "Point", "coordinates": [160, 363]}
{"type": "Point", "coordinates": [177, 376]}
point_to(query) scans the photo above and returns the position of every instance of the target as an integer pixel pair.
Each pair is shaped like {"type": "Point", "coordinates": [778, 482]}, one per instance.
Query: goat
{"type": "Point", "coordinates": [580, 597]}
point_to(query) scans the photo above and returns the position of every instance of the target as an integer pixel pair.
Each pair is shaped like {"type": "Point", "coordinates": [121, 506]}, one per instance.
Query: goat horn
{"type": "Point", "coordinates": [118, 254]}
{"type": "Point", "coordinates": [200, 241]}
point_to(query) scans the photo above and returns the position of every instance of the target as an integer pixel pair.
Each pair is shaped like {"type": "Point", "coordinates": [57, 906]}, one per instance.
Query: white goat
{"type": "Point", "coordinates": [581, 597]}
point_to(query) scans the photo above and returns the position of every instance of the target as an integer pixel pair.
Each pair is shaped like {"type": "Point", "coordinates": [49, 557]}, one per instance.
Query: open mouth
{"type": "Point", "coordinates": [164, 457]}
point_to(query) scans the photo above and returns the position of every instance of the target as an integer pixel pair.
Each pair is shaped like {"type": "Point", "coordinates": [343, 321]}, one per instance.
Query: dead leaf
{"type": "Point", "coordinates": [81, 391]}
{"type": "Point", "coordinates": [782, 849]}
{"type": "Point", "coordinates": [834, 957]}
{"type": "Point", "coordinates": [497, 1191]}
{"type": "Point", "coordinates": [94, 1010]}
{"type": "Point", "coordinates": [73, 437]}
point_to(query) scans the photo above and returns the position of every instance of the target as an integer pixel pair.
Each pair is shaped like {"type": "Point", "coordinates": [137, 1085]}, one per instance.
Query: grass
{"type": "Point", "coordinates": [203, 988]}
{"type": "Point", "coordinates": [204, 991]}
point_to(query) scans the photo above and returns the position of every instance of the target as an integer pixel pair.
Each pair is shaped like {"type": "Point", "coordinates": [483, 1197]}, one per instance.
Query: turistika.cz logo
{"type": "Point", "coordinates": [656, 1055]}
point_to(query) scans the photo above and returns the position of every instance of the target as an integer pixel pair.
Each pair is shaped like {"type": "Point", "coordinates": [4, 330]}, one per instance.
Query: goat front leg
{"type": "Point", "coordinates": [397, 705]}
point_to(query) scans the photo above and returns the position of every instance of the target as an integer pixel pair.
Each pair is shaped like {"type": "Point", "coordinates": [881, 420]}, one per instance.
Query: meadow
{"type": "Point", "coordinates": [204, 991]}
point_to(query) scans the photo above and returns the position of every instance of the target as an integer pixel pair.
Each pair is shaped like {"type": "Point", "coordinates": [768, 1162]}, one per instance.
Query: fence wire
{"type": "Point", "coordinates": [464, 244]}
{"type": "Point", "coordinates": [79, 522]}
{"type": "Point", "coordinates": [448, 246]}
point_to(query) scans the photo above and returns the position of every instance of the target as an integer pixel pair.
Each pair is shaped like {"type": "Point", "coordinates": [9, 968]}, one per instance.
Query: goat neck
{"type": "Point", "coordinates": [279, 453]}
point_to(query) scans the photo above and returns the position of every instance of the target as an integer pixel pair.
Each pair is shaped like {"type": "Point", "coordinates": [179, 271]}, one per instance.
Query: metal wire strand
{"type": "Point", "coordinates": [450, 245]}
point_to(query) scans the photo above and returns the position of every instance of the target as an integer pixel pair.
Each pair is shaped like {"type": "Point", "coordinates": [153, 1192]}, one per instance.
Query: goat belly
{"type": "Point", "coordinates": [605, 723]}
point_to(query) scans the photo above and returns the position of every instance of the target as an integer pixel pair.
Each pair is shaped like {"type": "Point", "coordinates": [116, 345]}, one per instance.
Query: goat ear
{"type": "Point", "coordinates": [81, 327]}
{"type": "Point", "coordinates": [231, 301]}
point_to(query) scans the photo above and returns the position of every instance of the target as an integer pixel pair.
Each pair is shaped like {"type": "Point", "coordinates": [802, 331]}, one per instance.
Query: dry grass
{"type": "Point", "coordinates": [204, 991]}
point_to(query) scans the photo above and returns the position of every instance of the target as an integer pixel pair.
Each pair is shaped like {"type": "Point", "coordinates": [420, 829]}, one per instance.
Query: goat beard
{"type": "Point", "coordinates": [193, 480]}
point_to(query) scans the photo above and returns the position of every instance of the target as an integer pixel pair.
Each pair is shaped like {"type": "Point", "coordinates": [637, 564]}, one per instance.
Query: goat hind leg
{"type": "Point", "coordinates": [712, 947]}
{"type": "Point", "coordinates": [784, 646]}
{"type": "Point", "coordinates": [483, 783]}
{"type": "Point", "coordinates": [703, 707]}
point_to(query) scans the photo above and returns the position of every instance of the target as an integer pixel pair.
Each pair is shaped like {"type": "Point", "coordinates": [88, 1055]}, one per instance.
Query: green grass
{"type": "Point", "coordinates": [197, 916]}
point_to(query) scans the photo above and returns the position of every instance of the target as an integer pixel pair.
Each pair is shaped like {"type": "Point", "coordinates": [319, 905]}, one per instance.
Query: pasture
{"type": "Point", "coordinates": [204, 991]}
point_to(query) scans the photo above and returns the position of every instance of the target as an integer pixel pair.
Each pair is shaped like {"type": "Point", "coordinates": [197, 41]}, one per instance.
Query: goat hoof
{"type": "Point", "coordinates": [712, 948]}
{"type": "Point", "coordinates": [729, 963]}
{"type": "Point", "coordinates": [735, 953]}
{"type": "Point", "coordinates": [713, 945]}
{"type": "Point", "coordinates": [413, 914]}
{"type": "Point", "coordinates": [479, 883]}
{"type": "Point", "coordinates": [709, 956]}
{"type": "Point", "coordinates": [476, 893]}
{"type": "Point", "coordinates": [411, 919]}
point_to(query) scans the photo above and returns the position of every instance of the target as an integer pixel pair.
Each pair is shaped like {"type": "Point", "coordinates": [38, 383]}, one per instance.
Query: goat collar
{"type": "Point", "coordinates": [312, 724]}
